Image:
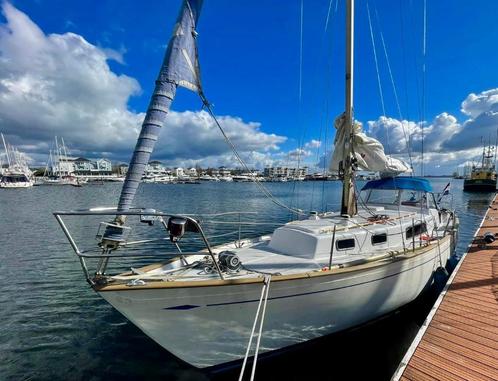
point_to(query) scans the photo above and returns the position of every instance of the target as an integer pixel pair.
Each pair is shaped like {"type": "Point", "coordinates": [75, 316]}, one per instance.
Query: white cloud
{"type": "Point", "coordinates": [194, 135]}
{"type": "Point", "coordinates": [476, 104]}
{"type": "Point", "coordinates": [313, 144]}
{"type": "Point", "coordinates": [392, 132]}
{"type": "Point", "coordinates": [60, 84]}
{"type": "Point", "coordinates": [447, 142]}
{"type": "Point", "coordinates": [482, 123]}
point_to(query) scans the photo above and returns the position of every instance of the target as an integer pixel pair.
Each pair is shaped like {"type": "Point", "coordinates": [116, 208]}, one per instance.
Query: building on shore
{"type": "Point", "coordinates": [122, 169]}
{"type": "Point", "coordinates": [285, 172]}
{"type": "Point", "coordinates": [81, 166]}
{"type": "Point", "coordinates": [155, 168]}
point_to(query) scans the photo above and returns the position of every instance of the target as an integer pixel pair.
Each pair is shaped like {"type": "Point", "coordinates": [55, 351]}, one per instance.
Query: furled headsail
{"type": "Point", "coordinates": [368, 152]}
{"type": "Point", "coordinates": [180, 68]}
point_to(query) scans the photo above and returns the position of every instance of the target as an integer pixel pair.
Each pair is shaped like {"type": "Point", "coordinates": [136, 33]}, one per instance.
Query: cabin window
{"type": "Point", "coordinates": [345, 244]}
{"type": "Point", "coordinates": [414, 198]}
{"type": "Point", "coordinates": [383, 196]}
{"type": "Point", "coordinates": [418, 228]}
{"type": "Point", "coordinates": [432, 201]}
{"type": "Point", "coordinates": [378, 239]}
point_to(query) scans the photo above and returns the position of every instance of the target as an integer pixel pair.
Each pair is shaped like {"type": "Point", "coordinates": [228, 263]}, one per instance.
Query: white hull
{"type": "Point", "coordinates": [210, 325]}
{"type": "Point", "coordinates": [24, 184]}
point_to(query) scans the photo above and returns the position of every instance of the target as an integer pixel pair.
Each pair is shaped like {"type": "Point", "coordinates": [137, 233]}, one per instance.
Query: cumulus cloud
{"type": "Point", "coordinates": [313, 144]}
{"type": "Point", "coordinates": [394, 134]}
{"type": "Point", "coordinates": [195, 136]}
{"type": "Point", "coordinates": [446, 140]}
{"type": "Point", "coordinates": [477, 104]}
{"type": "Point", "coordinates": [482, 110]}
{"type": "Point", "coordinates": [60, 84]}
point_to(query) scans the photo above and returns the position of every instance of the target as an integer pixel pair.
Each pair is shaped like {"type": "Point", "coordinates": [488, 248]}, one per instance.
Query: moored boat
{"type": "Point", "coordinates": [17, 174]}
{"type": "Point", "coordinates": [483, 176]}
{"type": "Point", "coordinates": [320, 274]}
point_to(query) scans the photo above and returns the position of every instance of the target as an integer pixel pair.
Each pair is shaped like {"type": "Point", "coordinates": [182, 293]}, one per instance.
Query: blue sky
{"type": "Point", "coordinates": [249, 55]}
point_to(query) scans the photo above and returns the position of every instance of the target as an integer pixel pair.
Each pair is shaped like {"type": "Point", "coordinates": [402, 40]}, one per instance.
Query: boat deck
{"type": "Point", "coordinates": [459, 339]}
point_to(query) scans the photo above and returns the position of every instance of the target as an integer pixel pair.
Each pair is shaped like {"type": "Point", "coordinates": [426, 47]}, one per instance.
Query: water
{"type": "Point", "coordinates": [53, 326]}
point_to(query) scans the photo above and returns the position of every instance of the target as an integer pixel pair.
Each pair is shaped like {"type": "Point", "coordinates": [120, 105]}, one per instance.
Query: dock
{"type": "Point", "coordinates": [459, 338]}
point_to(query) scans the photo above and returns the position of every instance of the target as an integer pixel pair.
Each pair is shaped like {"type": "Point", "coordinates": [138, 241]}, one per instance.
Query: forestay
{"type": "Point", "coordinates": [180, 68]}
{"type": "Point", "coordinates": [369, 152]}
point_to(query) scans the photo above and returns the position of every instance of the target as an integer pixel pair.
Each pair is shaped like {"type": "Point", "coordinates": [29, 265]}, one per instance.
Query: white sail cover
{"type": "Point", "coordinates": [369, 152]}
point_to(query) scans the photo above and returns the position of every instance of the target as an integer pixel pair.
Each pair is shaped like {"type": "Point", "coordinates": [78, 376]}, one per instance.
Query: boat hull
{"type": "Point", "coordinates": [210, 325]}
{"type": "Point", "coordinates": [26, 184]}
{"type": "Point", "coordinates": [479, 185]}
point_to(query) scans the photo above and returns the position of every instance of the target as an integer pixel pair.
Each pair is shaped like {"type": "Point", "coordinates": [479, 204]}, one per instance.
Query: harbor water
{"type": "Point", "coordinates": [54, 327]}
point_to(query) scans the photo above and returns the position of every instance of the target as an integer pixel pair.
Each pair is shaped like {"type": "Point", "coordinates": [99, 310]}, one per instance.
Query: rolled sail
{"type": "Point", "coordinates": [369, 152]}
{"type": "Point", "coordinates": [180, 68]}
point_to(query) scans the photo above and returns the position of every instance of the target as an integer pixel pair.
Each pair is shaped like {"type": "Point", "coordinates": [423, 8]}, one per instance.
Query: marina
{"type": "Point", "coordinates": [458, 340]}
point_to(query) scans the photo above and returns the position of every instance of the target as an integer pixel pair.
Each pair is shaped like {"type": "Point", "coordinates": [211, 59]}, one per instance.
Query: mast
{"type": "Point", "coordinates": [65, 156]}
{"type": "Point", "coordinates": [348, 206]}
{"type": "Point", "coordinates": [6, 150]}
{"type": "Point", "coordinates": [58, 157]}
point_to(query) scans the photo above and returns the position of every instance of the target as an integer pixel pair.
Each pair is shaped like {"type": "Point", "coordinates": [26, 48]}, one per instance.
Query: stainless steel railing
{"type": "Point", "coordinates": [198, 221]}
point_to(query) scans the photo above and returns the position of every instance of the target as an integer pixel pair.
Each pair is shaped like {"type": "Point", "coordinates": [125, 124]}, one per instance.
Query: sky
{"type": "Point", "coordinates": [85, 71]}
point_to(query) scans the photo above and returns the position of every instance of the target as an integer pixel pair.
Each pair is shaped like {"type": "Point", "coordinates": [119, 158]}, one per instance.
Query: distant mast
{"type": "Point", "coordinates": [348, 207]}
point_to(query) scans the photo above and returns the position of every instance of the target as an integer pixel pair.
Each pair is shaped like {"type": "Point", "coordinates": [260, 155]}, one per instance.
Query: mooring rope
{"type": "Point", "coordinates": [263, 299]}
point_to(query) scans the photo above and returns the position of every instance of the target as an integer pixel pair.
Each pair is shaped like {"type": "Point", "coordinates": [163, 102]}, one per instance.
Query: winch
{"type": "Point", "coordinates": [229, 261]}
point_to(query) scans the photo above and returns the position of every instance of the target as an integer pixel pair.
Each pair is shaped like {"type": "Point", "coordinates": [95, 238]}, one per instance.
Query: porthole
{"type": "Point", "coordinates": [378, 239]}
{"type": "Point", "coordinates": [418, 228]}
{"type": "Point", "coordinates": [344, 244]}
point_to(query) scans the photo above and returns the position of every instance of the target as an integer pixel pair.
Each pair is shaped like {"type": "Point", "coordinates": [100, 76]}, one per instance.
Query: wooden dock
{"type": "Point", "coordinates": [459, 339]}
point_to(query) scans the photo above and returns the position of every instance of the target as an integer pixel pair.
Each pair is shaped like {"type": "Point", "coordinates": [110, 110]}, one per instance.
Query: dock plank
{"type": "Point", "coordinates": [460, 339]}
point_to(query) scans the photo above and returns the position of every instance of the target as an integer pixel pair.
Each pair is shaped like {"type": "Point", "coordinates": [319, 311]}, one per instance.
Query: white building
{"type": "Point", "coordinates": [273, 172]}
{"type": "Point", "coordinates": [122, 169]}
{"type": "Point", "coordinates": [223, 171]}
{"type": "Point", "coordinates": [155, 168]}
{"type": "Point", "coordinates": [179, 172]}
{"type": "Point", "coordinates": [192, 172]}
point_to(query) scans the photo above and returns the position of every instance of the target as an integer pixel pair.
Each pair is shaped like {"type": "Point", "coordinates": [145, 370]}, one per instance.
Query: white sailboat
{"type": "Point", "coordinates": [61, 170]}
{"type": "Point", "coordinates": [318, 275]}
{"type": "Point", "coordinates": [17, 174]}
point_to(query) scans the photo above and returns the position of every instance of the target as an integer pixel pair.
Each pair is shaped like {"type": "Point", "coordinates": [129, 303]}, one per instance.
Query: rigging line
{"type": "Point", "coordinates": [378, 77]}
{"type": "Point", "coordinates": [414, 57]}
{"type": "Point", "coordinates": [242, 162]}
{"type": "Point", "coordinates": [376, 62]}
{"type": "Point", "coordinates": [328, 16]}
{"type": "Point", "coordinates": [294, 197]}
{"type": "Point", "coordinates": [424, 50]}
{"type": "Point", "coordinates": [394, 87]}
{"type": "Point", "coordinates": [301, 52]}
{"type": "Point", "coordinates": [403, 50]}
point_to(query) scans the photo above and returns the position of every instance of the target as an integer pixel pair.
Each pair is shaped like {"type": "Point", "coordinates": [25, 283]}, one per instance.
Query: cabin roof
{"type": "Point", "coordinates": [411, 183]}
